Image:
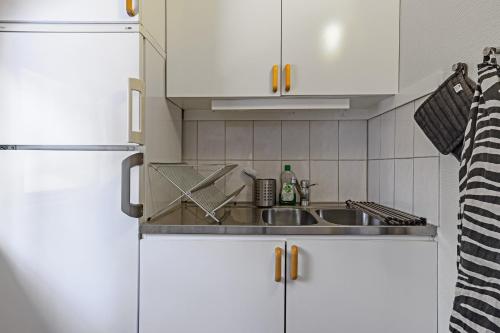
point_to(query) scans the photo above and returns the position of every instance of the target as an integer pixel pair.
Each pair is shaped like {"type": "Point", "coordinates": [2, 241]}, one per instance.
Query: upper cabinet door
{"type": "Point", "coordinates": [70, 10]}
{"type": "Point", "coordinates": [223, 48]}
{"type": "Point", "coordinates": [341, 47]}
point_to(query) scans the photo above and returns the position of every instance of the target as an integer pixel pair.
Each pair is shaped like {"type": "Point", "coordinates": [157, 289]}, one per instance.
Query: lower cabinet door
{"type": "Point", "coordinates": [359, 286]}
{"type": "Point", "coordinates": [211, 285]}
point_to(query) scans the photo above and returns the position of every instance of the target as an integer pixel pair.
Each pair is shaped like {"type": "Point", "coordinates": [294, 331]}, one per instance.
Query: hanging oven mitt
{"type": "Point", "coordinates": [444, 114]}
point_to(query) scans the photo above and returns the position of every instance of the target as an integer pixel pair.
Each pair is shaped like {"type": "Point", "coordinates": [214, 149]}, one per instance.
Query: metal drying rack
{"type": "Point", "coordinates": [195, 187]}
{"type": "Point", "coordinates": [388, 215]}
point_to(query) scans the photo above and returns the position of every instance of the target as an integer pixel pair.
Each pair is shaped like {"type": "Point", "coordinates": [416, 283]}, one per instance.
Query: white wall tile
{"type": "Point", "coordinates": [268, 169]}
{"type": "Point", "coordinates": [239, 140]}
{"type": "Point", "coordinates": [295, 140]}
{"type": "Point", "coordinates": [447, 234]}
{"type": "Point", "coordinates": [211, 140]}
{"type": "Point", "coordinates": [267, 140]}
{"type": "Point", "coordinates": [374, 180]}
{"type": "Point", "coordinates": [404, 131]}
{"type": "Point", "coordinates": [387, 134]}
{"type": "Point", "coordinates": [206, 168]}
{"type": "Point", "coordinates": [387, 182]}
{"type": "Point", "coordinates": [190, 162]}
{"type": "Point", "coordinates": [374, 138]}
{"type": "Point", "coordinates": [324, 140]}
{"type": "Point", "coordinates": [403, 186]}
{"type": "Point", "coordinates": [426, 188]}
{"type": "Point", "coordinates": [325, 174]}
{"type": "Point", "coordinates": [189, 140]}
{"type": "Point", "coordinates": [236, 179]}
{"type": "Point", "coordinates": [300, 168]}
{"type": "Point", "coordinates": [422, 145]}
{"type": "Point", "coordinates": [353, 139]}
{"type": "Point", "coordinates": [172, 188]}
{"type": "Point", "coordinates": [352, 180]}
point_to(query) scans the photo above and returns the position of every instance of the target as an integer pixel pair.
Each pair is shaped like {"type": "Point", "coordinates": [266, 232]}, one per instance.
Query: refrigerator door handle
{"type": "Point", "coordinates": [132, 210]}
{"type": "Point", "coordinates": [136, 135]}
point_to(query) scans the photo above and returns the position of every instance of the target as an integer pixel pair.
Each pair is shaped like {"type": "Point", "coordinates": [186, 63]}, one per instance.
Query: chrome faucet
{"type": "Point", "coordinates": [303, 190]}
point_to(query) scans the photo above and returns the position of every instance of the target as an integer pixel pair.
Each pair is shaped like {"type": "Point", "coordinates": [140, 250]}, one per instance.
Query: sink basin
{"type": "Point", "coordinates": [288, 217]}
{"type": "Point", "coordinates": [348, 217]}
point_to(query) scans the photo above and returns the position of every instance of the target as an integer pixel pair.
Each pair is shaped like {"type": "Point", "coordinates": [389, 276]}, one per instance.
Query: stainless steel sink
{"type": "Point", "coordinates": [348, 217]}
{"type": "Point", "coordinates": [288, 217]}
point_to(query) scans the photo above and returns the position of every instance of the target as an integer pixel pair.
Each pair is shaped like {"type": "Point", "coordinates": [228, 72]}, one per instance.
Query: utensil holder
{"type": "Point", "coordinates": [265, 192]}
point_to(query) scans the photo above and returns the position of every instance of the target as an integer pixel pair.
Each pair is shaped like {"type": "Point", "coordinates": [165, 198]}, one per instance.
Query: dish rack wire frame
{"type": "Point", "coordinates": [195, 187]}
{"type": "Point", "coordinates": [391, 216]}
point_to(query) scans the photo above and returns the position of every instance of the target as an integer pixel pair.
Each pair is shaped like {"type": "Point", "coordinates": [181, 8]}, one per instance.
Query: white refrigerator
{"type": "Point", "coordinates": [82, 105]}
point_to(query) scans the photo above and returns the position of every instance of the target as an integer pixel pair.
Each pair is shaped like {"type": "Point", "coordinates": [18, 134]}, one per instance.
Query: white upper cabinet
{"type": "Point", "coordinates": [341, 47]}
{"type": "Point", "coordinates": [227, 48]}
{"type": "Point", "coordinates": [223, 48]}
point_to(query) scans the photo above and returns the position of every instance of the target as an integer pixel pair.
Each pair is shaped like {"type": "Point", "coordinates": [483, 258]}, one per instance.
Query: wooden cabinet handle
{"type": "Point", "coordinates": [275, 78]}
{"type": "Point", "coordinates": [277, 264]}
{"type": "Point", "coordinates": [130, 8]}
{"type": "Point", "coordinates": [295, 263]}
{"type": "Point", "coordinates": [288, 78]}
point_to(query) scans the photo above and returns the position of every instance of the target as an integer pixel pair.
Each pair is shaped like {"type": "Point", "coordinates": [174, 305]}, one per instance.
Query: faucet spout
{"type": "Point", "coordinates": [304, 191]}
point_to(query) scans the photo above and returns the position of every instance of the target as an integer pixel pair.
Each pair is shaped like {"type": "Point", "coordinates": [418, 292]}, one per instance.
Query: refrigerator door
{"type": "Point", "coordinates": [69, 88]}
{"type": "Point", "coordinates": [68, 255]}
{"type": "Point", "coordinates": [69, 10]}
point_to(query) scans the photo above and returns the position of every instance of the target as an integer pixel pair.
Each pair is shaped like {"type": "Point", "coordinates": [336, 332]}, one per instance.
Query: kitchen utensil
{"type": "Point", "coordinates": [265, 192]}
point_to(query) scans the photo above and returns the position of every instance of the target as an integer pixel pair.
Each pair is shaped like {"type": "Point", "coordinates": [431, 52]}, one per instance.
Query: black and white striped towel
{"type": "Point", "coordinates": [477, 297]}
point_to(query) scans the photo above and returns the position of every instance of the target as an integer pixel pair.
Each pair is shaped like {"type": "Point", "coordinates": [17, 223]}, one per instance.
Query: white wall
{"type": "Point", "coordinates": [434, 35]}
{"type": "Point", "coordinates": [403, 166]}
{"type": "Point", "coordinates": [330, 153]}
{"type": "Point", "coordinates": [406, 172]}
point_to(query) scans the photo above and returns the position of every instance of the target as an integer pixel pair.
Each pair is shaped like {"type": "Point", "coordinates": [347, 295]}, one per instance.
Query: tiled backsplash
{"type": "Point", "coordinates": [330, 153]}
{"type": "Point", "coordinates": [403, 166]}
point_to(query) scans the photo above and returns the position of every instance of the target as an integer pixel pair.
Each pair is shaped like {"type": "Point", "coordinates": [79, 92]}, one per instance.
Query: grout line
{"type": "Point", "coordinates": [379, 141]}
{"type": "Point", "coordinates": [197, 143]}
{"type": "Point", "coordinates": [413, 187]}
{"type": "Point", "coordinates": [281, 138]}
{"type": "Point", "coordinates": [379, 176]}
{"type": "Point", "coordinates": [309, 151]}
{"type": "Point", "coordinates": [253, 138]}
{"type": "Point", "coordinates": [367, 166]}
{"type": "Point", "coordinates": [394, 162]}
{"type": "Point", "coordinates": [225, 140]}
{"type": "Point", "coordinates": [438, 222]}
{"type": "Point", "coordinates": [338, 156]}
{"type": "Point", "coordinates": [399, 158]}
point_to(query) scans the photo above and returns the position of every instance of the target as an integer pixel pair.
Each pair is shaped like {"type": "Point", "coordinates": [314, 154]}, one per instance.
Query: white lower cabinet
{"type": "Point", "coordinates": [357, 286]}
{"type": "Point", "coordinates": [334, 284]}
{"type": "Point", "coordinates": [211, 285]}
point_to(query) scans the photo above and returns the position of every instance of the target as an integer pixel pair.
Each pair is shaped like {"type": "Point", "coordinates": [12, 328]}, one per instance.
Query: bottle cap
{"type": "Point", "coordinates": [288, 167]}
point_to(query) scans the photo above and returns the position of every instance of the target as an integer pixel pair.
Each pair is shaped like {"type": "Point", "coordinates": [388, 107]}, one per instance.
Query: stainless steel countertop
{"type": "Point", "coordinates": [243, 219]}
